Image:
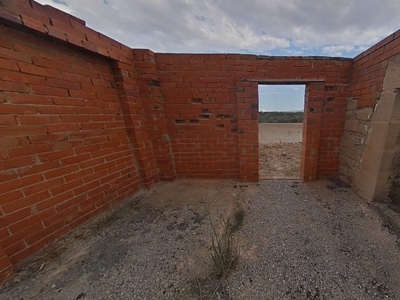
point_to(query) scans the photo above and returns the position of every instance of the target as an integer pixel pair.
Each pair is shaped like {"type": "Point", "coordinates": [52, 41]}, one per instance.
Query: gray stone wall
{"type": "Point", "coordinates": [394, 193]}
{"type": "Point", "coordinates": [358, 121]}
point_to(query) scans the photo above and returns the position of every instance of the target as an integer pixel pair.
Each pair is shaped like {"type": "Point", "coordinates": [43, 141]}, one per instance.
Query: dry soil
{"type": "Point", "coordinates": [280, 150]}
{"type": "Point", "coordinates": [298, 241]}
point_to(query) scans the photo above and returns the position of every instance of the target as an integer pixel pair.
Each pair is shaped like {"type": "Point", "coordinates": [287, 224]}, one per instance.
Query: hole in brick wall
{"type": "Point", "coordinates": [234, 130]}
{"type": "Point", "coordinates": [312, 109]}
{"type": "Point", "coordinates": [329, 88]}
{"type": "Point", "coordinates": [205, 113]}
{"type": "Point", "coordinates": [240, 89]}
{"type": "Point", "coordinates": [197, 100]}
{"type": "Point", "coordinates": [220, 126]}
{"type": "Point", "coordinates": [224, 116]}
{"type": "Point", "coordinates": [330, 99]}
{"type": "Point", "coordinates": [86, 38]}
{"type": "Point", "coordinates": [329, 109]}
{"type": "Point", "coordinates": [156, 107]}
{"type": "Point", "coordinates": [154, 83]}
{"type": "Point", "coordinates": [179, 121]}
{"type": "Point", "coordinates": [254, 106]}
{"type": "Point", "coordinates": [241, 131]}
{"type": "Point", "coordinates": [194, 121]}
{"type": "Point", "coordinates": [51, 22]}
{"type": "Point", "coordinates": [234, 121]}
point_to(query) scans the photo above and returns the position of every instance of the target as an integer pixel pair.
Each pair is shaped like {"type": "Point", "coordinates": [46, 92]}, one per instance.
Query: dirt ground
{"type": "Point", "coordinates": [297, 241]}
{"type": "Point", "coordinates": [280, 150]}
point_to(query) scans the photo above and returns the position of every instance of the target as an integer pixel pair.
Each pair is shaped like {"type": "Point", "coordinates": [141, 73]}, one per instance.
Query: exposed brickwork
{"type": "Point", "coordinates": [211, 105]}
{"type": "Point", "coordinates": [154, 113]}
{"type": "Point", "coordinates": [65, 146]}
{"type": "Point", "coordinates": [6, 267]}
{"type": "Point", "coordinates": [65, 151]}
{"type": "Point", "coordinates": [135, 122]}
{"type": "Point", "coordinates": [365, 89]}
{"type": "Point", "coordinates": [85, 121]}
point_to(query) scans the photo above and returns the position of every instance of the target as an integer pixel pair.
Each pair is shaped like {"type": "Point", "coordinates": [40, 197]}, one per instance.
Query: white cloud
{"type": "Point", "coordinates": [62, 5]}
{"type": "Point", "coordinates": [338, 27]}
{"type": "Point", "coordinates": [337, 50]}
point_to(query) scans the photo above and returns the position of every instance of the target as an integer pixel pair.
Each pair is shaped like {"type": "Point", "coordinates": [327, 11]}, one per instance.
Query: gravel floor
{"type": "Point", "coordinates": [298, 241]}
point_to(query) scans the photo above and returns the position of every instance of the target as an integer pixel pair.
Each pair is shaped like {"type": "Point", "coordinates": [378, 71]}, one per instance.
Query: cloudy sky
{"type": "Point", "coordinates": [269, 27]}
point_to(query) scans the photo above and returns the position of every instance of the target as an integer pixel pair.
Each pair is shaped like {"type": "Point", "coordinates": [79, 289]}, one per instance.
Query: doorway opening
{"type": "Point", "coordinates": [280, 117]}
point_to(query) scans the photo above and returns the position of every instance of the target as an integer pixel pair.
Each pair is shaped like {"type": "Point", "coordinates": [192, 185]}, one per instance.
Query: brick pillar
{"type": "Point", "coordinates": [135, 121]}
{"type": "Point", "coordinates": [247, 112]}
{"type": "Point", "coordinates": [154, 109]}
{"type": "Point", "coordinates": [311, 131]}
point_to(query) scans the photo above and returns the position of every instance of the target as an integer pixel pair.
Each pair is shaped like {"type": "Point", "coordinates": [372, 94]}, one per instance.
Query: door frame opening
{"type": "Point", "coordinates": [247, 124]}
{"type": "Point", "coordinates": [287, 154]}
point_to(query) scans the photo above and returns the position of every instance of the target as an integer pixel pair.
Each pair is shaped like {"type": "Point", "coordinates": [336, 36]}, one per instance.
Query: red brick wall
{"type": "Point", "coordinates": [154, 112]}
{"type": "Point", "coordinates": [73, 134]}
{"type": "Point", "coordinates": [65, 151]}
{"type": "Point", "coordinates": [86, 121]}
{"type": "Point", "coordinates": [211, 107]}
{"type": "Point", "coordinates": [369, 69]}
{"type": "Point", "coordinates": [6, 267]}
{"type": "Point", "coordinates": [365, 88]}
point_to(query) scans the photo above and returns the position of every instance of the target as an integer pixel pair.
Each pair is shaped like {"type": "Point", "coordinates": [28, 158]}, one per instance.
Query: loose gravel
{"type": "Point", "coordinates": [298, 241]}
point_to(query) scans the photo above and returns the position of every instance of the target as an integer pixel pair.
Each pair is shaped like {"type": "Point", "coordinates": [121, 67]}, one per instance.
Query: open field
{"type": "Point", "coordinates": [280, 150]}
{"type": "Point", "coordinates": [280, 132]}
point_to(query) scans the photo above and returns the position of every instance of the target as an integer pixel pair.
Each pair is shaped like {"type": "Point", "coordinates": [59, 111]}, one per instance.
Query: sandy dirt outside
{"type": "Point", "coordinates": [280, 150]}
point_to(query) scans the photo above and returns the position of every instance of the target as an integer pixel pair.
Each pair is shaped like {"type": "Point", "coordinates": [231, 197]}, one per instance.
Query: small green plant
{"type": "Point", "coordinates": [224, 254]}
{"type": "Point", "coordinates": [224, 250]}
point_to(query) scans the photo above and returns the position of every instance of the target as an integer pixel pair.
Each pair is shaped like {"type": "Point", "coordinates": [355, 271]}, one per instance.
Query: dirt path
{"type": "Point", "coordinates": [280, 160]}
{"type": "Point", "coordinates": [280, 150]}
{"type": "Point", "coordinates": [270, 133]}
{"type": "Point", "coordinates": [298, 241]}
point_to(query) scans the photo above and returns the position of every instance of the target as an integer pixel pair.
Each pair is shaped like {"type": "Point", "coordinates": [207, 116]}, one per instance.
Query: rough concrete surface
{"type": "Point", "coordinates": [298, 241]}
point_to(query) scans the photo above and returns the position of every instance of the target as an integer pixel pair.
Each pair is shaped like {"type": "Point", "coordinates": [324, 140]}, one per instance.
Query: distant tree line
{"type": "Point", "coordinates": [280, 117]}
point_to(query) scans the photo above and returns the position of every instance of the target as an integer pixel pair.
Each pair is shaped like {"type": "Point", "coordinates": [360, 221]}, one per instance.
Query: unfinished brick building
{"type": "Point", "coordinates": [86, 121]}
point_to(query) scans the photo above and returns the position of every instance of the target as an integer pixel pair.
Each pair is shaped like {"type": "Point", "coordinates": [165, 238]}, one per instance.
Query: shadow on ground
{"type": "Point", "coordinates": [298, 241]}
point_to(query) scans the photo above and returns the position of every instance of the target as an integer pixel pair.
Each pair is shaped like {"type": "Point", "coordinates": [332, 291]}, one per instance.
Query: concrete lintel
{"type": "Point", "coordinates": [285, 81]}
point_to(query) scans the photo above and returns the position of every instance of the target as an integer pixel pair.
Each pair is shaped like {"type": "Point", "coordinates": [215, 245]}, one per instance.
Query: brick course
{"type": "Point", "coordinates": [211, 107]}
